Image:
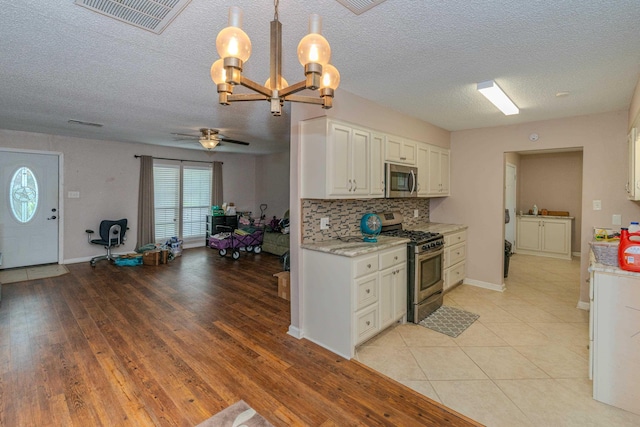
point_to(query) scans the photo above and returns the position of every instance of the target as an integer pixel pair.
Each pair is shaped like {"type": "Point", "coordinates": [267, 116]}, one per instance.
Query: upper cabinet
{"type": "Point", "coordinates": [336, 160]}
{"type": "Point", "coordinates": [633, 181]}
{"type": "Point", "coordinates": [340, 160]}
{"type": "Point", "coordinates": [400, 150]}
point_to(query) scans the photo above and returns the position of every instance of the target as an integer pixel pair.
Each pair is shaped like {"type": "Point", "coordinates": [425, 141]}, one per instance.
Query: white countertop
{"type": "Point", "coordinates": [546, 216]}
{"type": "Point", "coordinates": [353, 246]}
{"type": "Point", "coordinates": [603, 268]}
{"type": "Point", "coordinates": [438, 227]}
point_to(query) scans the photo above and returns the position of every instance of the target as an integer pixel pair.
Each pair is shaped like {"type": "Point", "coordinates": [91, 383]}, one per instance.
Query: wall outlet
{"type": "Point", "coordinates": [616, 219]}
{"type": "Point", "coordinates": [597, 205]}
{"type": "Point", "coordinates": [73, 194]}
{"type": "Point", "coordinates": [415, 213]}
{"type": "Point", "coordinates": [324, 223]}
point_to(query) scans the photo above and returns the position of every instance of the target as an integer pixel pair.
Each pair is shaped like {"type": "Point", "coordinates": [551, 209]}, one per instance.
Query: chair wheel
{"type": "Point", "coordinates": [222, 252]}
{"type": "Point", "coordinates": [236, 254]}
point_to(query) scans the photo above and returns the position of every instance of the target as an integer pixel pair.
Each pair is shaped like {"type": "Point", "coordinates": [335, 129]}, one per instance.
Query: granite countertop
{"type": "Point", "coordinates": [603, 268]}
{"type": "Point", "coordinates": [353, 246]}
{"type": "Point", "coordinates": [438, 227]}
{"type": "Point", "coordinates": [546, 216]}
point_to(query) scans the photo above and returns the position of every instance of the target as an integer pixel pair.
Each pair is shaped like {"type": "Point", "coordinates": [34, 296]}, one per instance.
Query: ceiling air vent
{"type": "Point", "coordinates": [360, 6]}
{"type": "Point", "coordinates": [151, 15]}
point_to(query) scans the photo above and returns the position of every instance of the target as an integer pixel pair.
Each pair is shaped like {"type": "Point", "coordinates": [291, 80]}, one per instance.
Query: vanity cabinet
{"type": "Point", "coordinates": [544, 236]}
{"type": "Point", "coordinates": [614, 340]}
{"type": "Point", "coordinates": [400, 150]}
{"type": "Point", "coordinates": [455, 256]}
{"type": "Point", "coordinates": [335, 160]}
{"type": "Point", "coordinates": [347, 300]}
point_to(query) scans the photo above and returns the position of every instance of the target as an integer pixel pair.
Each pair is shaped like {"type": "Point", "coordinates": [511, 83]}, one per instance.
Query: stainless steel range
{"type": "Point", "coordinates": [425, 262]}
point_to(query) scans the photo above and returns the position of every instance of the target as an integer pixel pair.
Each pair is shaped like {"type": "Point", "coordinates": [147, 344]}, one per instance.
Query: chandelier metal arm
{"type": "Point", "coordinates": [256, 87]}
{"type": "Point", "coordinates": [291, 89]}
{"type": "Point", "coordinates": [247, 97]}
{"type": "Point", "coordinates": [304, 99]}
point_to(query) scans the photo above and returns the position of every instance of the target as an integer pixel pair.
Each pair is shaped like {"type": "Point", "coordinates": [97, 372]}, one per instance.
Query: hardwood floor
{"type": "Point", "coordinates": [174, 344]}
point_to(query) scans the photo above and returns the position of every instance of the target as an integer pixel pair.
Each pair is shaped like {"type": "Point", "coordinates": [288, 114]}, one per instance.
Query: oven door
{"type": "Point", "coordinates": [400, 181]}
{"type": "Point", "coordinates": [428, 284]}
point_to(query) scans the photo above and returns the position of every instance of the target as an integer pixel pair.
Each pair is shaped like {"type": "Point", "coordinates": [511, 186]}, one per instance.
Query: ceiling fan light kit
{"type": "Point", "coordinates": [314, 54]}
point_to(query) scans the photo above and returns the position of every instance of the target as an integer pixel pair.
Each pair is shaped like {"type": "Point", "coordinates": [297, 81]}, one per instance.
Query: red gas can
{"type": "Point", "coordinates": [629, 250]}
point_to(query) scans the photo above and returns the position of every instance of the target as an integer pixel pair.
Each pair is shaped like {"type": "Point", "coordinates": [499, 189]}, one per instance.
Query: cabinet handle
{"type": "Point", "coordinates": [368, 265]}
{"type": "Point", "coordinates": [355, 185]}
{"type": "Point", "coordinates": [403, 158]}
{"type": "Point", "coordinates": [350, 185]}
{"type": "Point", "coordinates": [368, 291]}
{"type": "Point", "coordinates": [368, 322]}
{"type": "Point", "coordinates": [395, 258]}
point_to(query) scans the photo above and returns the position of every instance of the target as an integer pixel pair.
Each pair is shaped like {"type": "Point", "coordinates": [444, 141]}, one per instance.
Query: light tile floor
{"type": "Point", "coordinates": [32, 273]}
{"type": "Point", "coordinates": [524, 362]}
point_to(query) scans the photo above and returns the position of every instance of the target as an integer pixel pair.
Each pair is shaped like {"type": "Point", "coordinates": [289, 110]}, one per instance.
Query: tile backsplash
{"type": "Point", "coordinates": [345, 214]}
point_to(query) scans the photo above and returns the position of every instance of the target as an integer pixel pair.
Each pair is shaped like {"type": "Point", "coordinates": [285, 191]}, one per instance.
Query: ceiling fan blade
{"type": "Point", "coordinates": [187, 135]}
{"type": "Point", "coordinates": [233, 141]}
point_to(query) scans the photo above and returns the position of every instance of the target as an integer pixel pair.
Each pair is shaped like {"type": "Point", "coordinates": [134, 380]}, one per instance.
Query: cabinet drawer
{"type": "Point", "coordinates": [366, 323]}
{"type": "Point", "coordinates": [366, 265]}
{"type": "Point", "coordinates": [454, 238]}
{"type": "Point", "coordinates": [366, 291]}
{"type": "Point", "coordinates": [393, 257]}
{"type": "Point", "coordinates": [454, 254]}
{"type": "Point", "coordinates": [454, 275]}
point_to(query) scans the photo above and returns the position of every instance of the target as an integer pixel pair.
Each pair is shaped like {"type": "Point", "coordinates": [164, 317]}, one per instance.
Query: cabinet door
{"type": "Point", "coordinates": [376, 172]}
{"type": "Point", "coordinates": [423, 170]}
{"type": "Point", "coordinates": [339, 167]}
{"type": "Point", "coordinates": [400, 292]}
{"type": "Point", "coordinates": [444, 172]}
{"type": "Point", "coordinates": [359, 162]}
{"type": "Point", "coordinates": [528, 237]}
{"type": "Point", "coordinates": [409, 152]}
{"type": "Point", "coordinates": [387, 292]}
{"type": "Point", "coordinates": [555, 235]}
{"type": "Point", "coordinates": [633, 180]}
{"type": "Point", "coordinates": [434, 171]}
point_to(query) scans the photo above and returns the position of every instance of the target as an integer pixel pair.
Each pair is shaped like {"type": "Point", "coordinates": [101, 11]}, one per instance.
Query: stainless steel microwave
{"type": "Point", "coordinates": [400, 181]}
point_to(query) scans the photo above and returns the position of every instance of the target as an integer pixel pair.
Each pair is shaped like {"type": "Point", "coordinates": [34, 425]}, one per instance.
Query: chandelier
{"type": "Point", "coordinates": [314, 53]}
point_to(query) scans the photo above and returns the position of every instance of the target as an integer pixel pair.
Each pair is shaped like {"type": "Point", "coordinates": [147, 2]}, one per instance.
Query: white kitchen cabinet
{"type": "Point", "coordinates": [376, 169]}
{"type": "Point", "coordinates": [335, 160]}
{"type": "Point", "coordinates": [633, 180]}
{"type": "Point", "coordinates": [615, 331]}
{"type": "Point", "coordinates": [400, 150]}
{"type": "Point", "coordinates": [439, 173]}
{"type": "Point", "coordinates": [544, 236]}
{"type": "Point", "coordinates": [347, 300]}
{"type": "Point", "coordinates": [455, 256]}
{"type": "Point", "coordinates": [423, 169]}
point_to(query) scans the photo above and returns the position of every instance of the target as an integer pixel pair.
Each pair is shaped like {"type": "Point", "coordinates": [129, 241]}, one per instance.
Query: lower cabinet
{"type": "Point", "coordinates": [537, 235]}
{"type": "Point", "coordinates": [347, 300]}
{"type": "Point", "coordinates": [455, 255]}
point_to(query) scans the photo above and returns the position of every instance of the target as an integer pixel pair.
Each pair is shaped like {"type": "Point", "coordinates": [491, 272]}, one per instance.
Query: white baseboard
{"type": "Point", "coordinates": [583, 305]}
{"type": "Point", "coordinates": [295, 332]}
{"type": "Point", "coordinates": [485, 285]}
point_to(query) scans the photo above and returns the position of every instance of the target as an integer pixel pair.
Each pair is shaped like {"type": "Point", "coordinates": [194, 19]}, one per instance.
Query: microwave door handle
{"type": "Point", "coordinates": [413, 182]}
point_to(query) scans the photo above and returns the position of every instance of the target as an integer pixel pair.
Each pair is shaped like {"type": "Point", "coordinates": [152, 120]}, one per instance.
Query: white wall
{"type": "Point", "coordinates": [106, 174]}
{"type": "Point", "coordinates": [477, 158]}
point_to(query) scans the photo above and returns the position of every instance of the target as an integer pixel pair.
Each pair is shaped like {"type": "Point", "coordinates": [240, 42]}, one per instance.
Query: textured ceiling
{"type": "Point", "coordinates": [59, 61]}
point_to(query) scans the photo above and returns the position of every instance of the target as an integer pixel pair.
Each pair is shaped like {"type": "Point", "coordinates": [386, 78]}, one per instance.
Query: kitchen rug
{"type": "Point", "coordinates": [238, 414]}
{"type": "Point", "coordinates": [449, 320]}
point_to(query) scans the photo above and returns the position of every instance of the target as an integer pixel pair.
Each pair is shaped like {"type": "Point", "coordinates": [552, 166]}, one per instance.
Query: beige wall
{"type": "Point", "coordinates": [477, 162]}
{"type": "Point", "coordinates": [106, 175]}
{"type": "Point", "coordinates": [553, 181]}
{"type": "Point", "coordinates": [272, 184]}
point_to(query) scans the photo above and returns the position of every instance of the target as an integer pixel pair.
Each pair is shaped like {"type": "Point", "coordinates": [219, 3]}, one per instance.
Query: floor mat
{"type": "Point", "coordinates": [449, 320]}
{"type": "Point", "coordinates": [32, 273]}
{"type": "Point", "coordinates": [239, 414]}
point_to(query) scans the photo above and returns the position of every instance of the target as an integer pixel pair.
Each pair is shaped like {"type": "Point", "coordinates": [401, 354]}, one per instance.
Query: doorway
{"type": "Point", "coordinates": [510, 203]}
{"type": "Point", "coordinates": [29, 209]}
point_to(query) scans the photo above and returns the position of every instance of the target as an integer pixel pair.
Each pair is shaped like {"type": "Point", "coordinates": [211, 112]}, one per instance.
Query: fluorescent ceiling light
{"type": "Point", "coordinates": [493, 93]}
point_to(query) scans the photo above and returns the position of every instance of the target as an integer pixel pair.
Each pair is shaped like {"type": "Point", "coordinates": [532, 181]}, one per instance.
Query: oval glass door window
{"type": "Point", "coordinates": [24, 194]}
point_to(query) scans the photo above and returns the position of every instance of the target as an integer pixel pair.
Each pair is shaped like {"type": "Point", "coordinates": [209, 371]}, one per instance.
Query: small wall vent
{"type": "Point", "coordinates": [151, 15]}
{"type": "Point", "coordinates": [359, 6]}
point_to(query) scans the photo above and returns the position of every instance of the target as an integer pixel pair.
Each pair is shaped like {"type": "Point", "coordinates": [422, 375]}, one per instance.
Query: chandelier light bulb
{"type": "Point", "coordinates": [232, 42]}
{"type": "Point", "coordinates": [314, 48]}
{"type": "Point", "coordinates": [330, 77]}
{"type": "Point", "coordinates": [218, 73]}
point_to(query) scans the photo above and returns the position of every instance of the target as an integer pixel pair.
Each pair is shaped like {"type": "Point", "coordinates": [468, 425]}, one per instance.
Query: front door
{"type": "Point", "coordinates": [29, 214]}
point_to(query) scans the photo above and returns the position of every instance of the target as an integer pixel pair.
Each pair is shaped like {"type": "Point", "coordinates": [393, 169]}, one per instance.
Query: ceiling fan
{"type": "Point", "coordinates": [210, 138]}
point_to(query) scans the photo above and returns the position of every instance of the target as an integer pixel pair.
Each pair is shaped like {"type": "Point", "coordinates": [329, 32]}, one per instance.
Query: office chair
{"type": "Point", "coordinates": [112, 234]}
